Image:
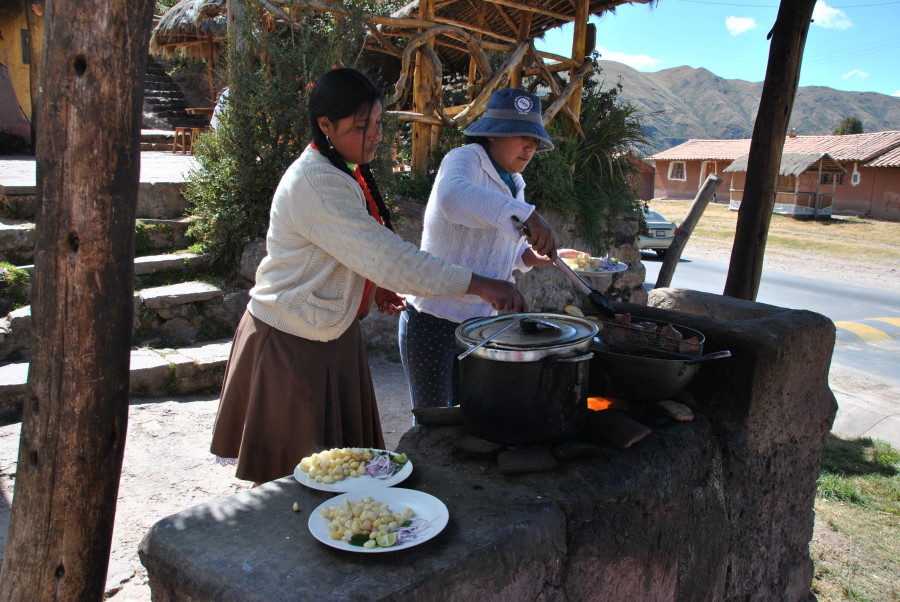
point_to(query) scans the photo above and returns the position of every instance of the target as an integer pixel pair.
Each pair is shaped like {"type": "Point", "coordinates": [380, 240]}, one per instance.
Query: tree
{"type": "Point", "coordinates": [849, 125]}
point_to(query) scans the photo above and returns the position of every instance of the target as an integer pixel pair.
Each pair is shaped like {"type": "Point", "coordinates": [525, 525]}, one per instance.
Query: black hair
{"type": "Point", "coordinates": [482, 140]}
{"type": "Point", "coordinates": [338, 94]}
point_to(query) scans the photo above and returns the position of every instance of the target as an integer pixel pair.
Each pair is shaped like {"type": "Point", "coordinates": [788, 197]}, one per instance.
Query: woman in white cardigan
{"type": "Point", "coordinates": [298, 379]}
{"type": "Point", "coordinates": [469, 222]}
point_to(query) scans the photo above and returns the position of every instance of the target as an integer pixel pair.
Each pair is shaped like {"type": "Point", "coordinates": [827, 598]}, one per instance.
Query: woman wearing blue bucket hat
{"type": "Point", "coordinates": [470, 220]}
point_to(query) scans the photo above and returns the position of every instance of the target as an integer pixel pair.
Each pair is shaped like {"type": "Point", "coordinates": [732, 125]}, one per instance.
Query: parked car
{"type": "Point", "coordinates": [658, 234]}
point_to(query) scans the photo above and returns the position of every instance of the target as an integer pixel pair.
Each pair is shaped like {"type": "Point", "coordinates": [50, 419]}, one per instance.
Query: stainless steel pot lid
{"type": "Point", "coordinates": [533, 331]}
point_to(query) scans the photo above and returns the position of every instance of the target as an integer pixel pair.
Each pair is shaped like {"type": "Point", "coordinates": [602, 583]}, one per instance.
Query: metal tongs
{"type": "Point", "coordinates": [600, 302]}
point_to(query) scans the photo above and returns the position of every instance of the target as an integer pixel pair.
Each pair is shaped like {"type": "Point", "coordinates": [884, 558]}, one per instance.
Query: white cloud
{"type": "Point", "coordinates": [641, 62]}
{"type": "Point", "coordinates": [897, 93]}
{"type": "Point", "coordinates": [830, 18]}
{"type": "Point", "coordinates": [857, 73]}
{"type": "Point", "coordinates": [738, 25]}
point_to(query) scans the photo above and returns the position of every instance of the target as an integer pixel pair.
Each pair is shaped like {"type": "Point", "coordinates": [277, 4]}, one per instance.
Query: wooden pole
{"type": "Point", "coordinates": [515, 78]}
{"type": "Point", "coordinates": [34, 10]}
{"type": "Point", "coordinates": [579, 37]}
{"type": "Point", "coordinates": [673, 255]}
{"type": "Point", "coordinates": [766, 146]}
{"type": "Point", "coordinates": [423, 99]}
{"type": "Point", "coordinates": [76, 416]}
{"type": "Point", "coordinates": [236, 19]}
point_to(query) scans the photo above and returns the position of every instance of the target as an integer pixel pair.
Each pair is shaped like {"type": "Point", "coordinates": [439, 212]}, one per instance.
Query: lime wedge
{"type": "Point", "coordinates": [400, 458]}
{"type": "Point", "coordinates": [386, 540]}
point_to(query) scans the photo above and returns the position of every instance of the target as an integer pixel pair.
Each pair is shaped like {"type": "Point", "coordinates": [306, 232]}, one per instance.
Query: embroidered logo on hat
{"type": "Point", "coordinates": [523, 104]}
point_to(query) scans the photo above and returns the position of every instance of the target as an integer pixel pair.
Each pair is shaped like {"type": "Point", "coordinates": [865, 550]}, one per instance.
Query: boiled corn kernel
{"type": "Point", "coordinates": [365, 516]}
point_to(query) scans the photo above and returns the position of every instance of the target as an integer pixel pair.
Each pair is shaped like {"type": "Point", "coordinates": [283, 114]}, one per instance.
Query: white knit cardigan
{"type": "Point", "coordinates": [321, 246]}
{"type": "Point", "coordinates": [468, 222]}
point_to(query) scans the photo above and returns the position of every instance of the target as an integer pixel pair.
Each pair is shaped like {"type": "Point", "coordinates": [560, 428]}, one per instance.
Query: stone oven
{"type": "Point", "coordinates": [717, 508]}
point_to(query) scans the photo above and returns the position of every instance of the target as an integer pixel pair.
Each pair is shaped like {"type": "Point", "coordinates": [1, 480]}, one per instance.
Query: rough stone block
{"type": "Point", "coordinates": [530, 459]}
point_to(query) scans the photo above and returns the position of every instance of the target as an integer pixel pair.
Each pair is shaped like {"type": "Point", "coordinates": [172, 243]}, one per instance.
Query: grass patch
{"type": "Point", "coordinates": [856, 545]}
{"type": "Point", "coordinates": [835, 239]}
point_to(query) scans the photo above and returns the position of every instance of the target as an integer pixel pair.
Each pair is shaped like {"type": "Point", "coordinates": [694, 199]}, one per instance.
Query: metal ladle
{"type": "Point", "coordinates": [492, 336]}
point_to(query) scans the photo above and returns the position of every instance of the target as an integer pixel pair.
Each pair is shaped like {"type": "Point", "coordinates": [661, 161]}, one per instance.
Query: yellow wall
{"type": "Point", "coordinates": [11, 26]}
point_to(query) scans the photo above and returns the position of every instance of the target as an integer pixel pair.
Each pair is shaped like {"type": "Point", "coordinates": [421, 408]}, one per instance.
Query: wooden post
{"type": "Point", "coordinates": [76, 416]}
{"type": "Point", "coordinates": [515, 77]}
{"type": "Point", "coordinates": [236, 18]}
{"type": "Point", "coordinates": [34, 10]}
{"type": "Point", "coordinates": [766, 146]}
{"type": "Point", "coordinates": [471, 91]}
{"type": "Point", "coordinates": [423, 99]}
{"type": "Point", "coordinates": [673, 255]}
{"type": "Point", "coordinates": [579, 37]}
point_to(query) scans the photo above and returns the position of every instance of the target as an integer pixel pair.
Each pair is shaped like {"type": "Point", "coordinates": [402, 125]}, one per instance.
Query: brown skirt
{"type": "Point", "coordinates": [285, 397]}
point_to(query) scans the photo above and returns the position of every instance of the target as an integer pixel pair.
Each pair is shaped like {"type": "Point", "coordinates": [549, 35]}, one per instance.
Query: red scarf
{"type": "Point", "coordinates": [372, 207]}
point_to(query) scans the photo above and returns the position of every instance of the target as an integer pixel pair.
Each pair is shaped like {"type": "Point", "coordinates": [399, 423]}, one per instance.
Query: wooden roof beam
{"type": "Point", "coordinates": [474, 29]}
{"type": "Point", "coordinates": [533, 9]}
{"type": "Point", "coordinates": [503, 15]}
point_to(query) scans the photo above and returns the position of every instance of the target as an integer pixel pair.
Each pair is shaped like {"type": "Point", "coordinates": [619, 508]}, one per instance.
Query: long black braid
{"type": "Point", "coordinates": [339, 94]}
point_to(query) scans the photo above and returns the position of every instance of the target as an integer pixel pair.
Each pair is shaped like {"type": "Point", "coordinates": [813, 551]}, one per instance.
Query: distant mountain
{"type": "Point", "coordinates": [696, 103]}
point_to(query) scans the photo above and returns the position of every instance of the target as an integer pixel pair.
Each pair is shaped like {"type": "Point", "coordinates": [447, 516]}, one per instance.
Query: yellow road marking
{"type": "Point", "coordinates": [891, 321]}
{"type": "Point", "coordinates": [864, 331]}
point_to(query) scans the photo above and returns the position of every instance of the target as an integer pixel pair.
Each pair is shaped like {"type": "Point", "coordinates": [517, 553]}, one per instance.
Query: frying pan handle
{"type": "Point", "coordinates": [547, 379]}
{"type": "Point", "coordinates": [709, 356]}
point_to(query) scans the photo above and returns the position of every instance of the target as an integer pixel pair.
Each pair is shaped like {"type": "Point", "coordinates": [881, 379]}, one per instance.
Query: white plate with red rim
{"type": "Point", "coordinates": [424, 506]}
{"type": "Point", "coordinates": [365, 481]}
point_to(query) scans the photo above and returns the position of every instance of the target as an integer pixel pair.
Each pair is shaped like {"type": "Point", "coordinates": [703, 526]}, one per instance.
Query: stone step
{"type": "Point", "coordinates": [161, 94]}
{"type": "Point", "coordinates": [16, 241]}
{"type": "Point", "coordinates": [154, 372]}
{"type": "Point", "coordinates": [156, 200]}
{"type": "Point", "coordinates": [17, 237]}
{"type": "Point", "coordinates": [151, 264]}
{"type": "Point", "coordinates": [176, 314]}
{"type": "Point", "coordinates": [162, 235]}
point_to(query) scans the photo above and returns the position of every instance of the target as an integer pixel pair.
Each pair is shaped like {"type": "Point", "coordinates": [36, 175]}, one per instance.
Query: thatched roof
{"type": "Point", "coordinates": [794, 164]}
{"type": "Point", "coordinates": [190, 27]}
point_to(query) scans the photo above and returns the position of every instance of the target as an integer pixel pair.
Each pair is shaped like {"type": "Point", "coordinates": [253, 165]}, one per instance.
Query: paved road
{"type": "Point", "coordinates": [865, 371]}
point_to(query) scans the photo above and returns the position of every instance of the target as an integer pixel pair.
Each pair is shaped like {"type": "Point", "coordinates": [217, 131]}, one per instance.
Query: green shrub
{"type": "Point", "coordinates": [14, 285]}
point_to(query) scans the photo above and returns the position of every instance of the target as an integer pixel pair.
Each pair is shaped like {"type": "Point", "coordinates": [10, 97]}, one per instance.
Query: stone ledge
{"type": "Point", "coordinates": [253, 547]}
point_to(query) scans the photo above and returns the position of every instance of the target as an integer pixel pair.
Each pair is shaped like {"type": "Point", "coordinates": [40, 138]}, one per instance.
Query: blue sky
{"type": "Point", "coordinates": [852, 45]}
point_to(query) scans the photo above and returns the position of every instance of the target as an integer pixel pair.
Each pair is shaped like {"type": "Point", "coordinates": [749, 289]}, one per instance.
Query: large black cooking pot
{"type": "Point", "coordinates": [528, 384]}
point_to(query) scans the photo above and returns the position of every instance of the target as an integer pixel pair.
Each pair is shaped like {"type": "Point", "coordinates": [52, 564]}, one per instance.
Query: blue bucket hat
{"type": "Point", "coordinates": [512, 112]}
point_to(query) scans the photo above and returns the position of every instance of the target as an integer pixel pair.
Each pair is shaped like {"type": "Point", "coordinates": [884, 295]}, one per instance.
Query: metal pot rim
{"type": "Point", "coordinates": [497, 351]}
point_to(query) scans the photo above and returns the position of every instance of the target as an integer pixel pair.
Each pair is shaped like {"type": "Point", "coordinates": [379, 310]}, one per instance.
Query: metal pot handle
{"type": "Point", "coordinates": [550, 363]}
{"type": "Point", "coordinates": [709, 356]}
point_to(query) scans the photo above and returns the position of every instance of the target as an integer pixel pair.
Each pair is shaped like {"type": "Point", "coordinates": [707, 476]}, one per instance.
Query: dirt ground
{"type": "Point", "coordinates": [167, 466]}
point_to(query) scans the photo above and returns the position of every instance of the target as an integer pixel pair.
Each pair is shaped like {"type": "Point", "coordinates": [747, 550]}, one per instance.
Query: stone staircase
{"type": "Point", "coordinates": [165, 100]}
{"type": "Point", "coordinates": [183, 323]}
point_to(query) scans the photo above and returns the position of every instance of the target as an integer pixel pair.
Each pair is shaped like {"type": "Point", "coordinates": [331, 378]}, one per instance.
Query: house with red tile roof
{"type": "Point", "coordinates": [869, 184]}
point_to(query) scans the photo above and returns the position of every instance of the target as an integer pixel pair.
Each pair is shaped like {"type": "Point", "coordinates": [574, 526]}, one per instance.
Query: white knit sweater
{"type": "Point", "coordinates": [468, 222]}
{"type": "Point", "coordinates": [321, 246]}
